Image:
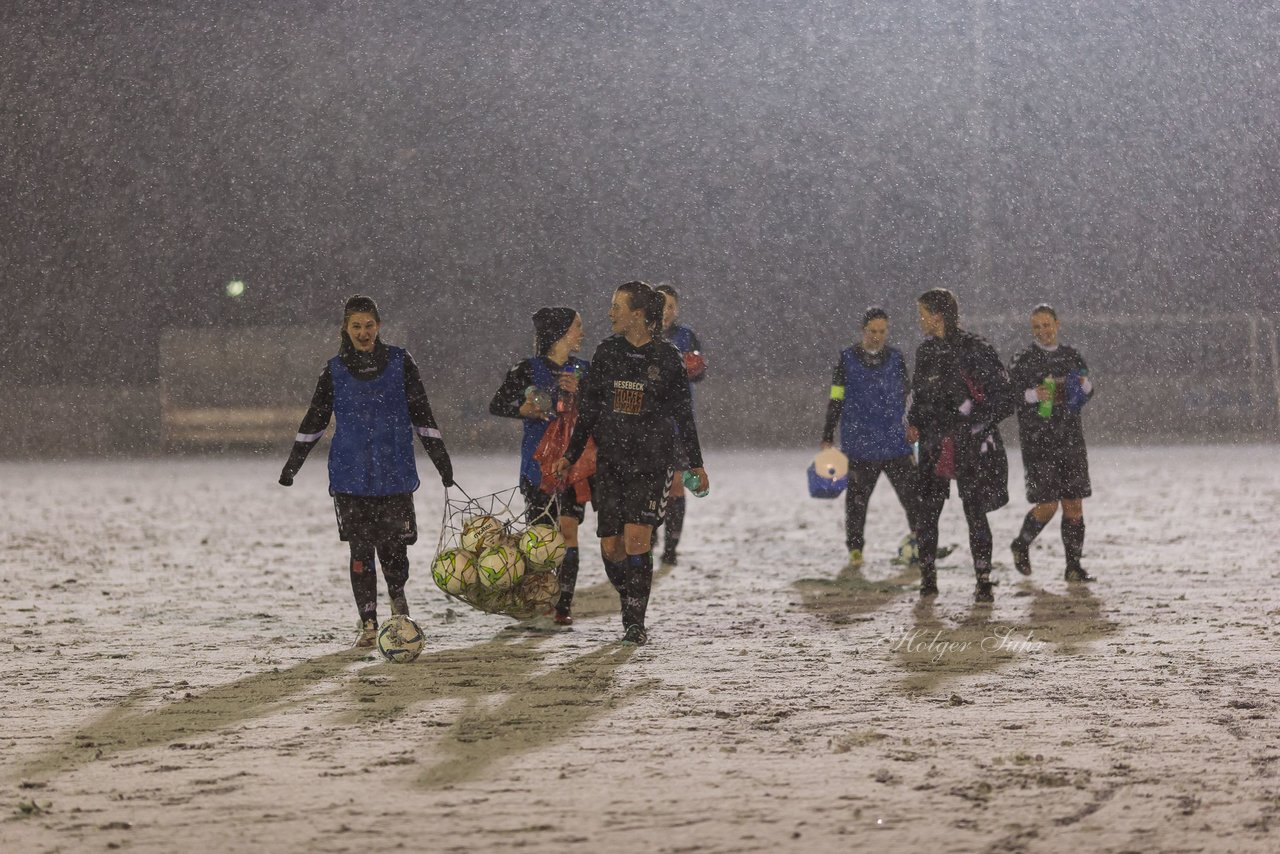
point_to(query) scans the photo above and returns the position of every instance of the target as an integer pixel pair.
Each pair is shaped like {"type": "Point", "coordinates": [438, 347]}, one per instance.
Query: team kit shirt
{"type": "Point", "coordinates": [1062, 430]}
{"type": "Point", "coordinates": [637, 406]}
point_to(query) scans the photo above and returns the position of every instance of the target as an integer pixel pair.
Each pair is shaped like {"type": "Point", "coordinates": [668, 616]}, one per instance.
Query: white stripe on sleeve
{"type": "Point", "coordinates": [308, 437]}
{"type": "Point", "coordinates": [430, 433]}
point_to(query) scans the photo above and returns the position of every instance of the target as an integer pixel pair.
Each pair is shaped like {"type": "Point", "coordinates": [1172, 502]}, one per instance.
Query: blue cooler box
{"type": "Point", "coordinates": [825, 487]}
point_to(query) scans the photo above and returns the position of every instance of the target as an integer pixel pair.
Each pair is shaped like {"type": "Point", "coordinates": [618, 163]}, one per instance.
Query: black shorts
{"type": "Point", "coordinates": [376, 518]}
{"type": "Point", "coordinates": [629, 498]}
{"type": "Point", "coordinates": [1057, 476]}
{"type": "Point", "coordinates": [540, 507]}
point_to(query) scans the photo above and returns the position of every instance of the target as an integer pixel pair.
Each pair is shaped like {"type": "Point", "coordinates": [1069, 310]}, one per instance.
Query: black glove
{"type": "Point", "coordinates": [286, 478]}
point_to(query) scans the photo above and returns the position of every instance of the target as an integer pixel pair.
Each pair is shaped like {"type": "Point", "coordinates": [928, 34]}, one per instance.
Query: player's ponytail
{"type": "Point", "coordinates": [642, 296]}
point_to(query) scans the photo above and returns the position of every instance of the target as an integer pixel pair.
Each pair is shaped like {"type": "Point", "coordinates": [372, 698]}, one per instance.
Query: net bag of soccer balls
{"type": "Point", "coordinates": [496, 559]}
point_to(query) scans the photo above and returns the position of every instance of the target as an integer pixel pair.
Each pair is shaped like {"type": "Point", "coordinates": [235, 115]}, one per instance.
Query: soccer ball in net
{"type": "Point", "coordinates": [400, 639]}
{"type": "Point", "coordinates": [542, 545]}
{"type": "Point", "coordinates": [454, 570]}
{"type": "Point", "coordinates": [500, 567]}
{"type": "Point", "coordinates": [539, 589]}
{"type": "Point", "coordinates": [480, 532]}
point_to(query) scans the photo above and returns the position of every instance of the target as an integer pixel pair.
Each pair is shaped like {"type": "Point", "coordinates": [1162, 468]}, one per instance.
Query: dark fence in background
{"type": "Point", "coordinates": [1159, 379]}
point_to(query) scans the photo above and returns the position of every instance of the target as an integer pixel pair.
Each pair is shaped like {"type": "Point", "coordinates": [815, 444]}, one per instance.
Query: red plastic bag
{"type": "Point", "coordinates": [946, 464]}
{"type": "Point", "coordinates": [552, 447]}
{"type": "Point", "coordinates": [695, 364]}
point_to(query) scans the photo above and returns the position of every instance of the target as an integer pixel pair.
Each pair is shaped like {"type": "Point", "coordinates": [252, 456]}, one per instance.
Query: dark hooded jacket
{"type": "Point", "coordinates": [960, 392]}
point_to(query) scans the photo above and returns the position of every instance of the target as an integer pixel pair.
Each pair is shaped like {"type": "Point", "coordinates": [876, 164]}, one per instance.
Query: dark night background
{"type": "Point", "coordinates": [783, 164]}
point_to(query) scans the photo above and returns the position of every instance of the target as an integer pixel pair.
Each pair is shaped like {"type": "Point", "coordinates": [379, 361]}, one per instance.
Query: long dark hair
{"type": "Point", "coordinates": [942, 301]}
{"type": "Point", "coordinates": [641, 295]}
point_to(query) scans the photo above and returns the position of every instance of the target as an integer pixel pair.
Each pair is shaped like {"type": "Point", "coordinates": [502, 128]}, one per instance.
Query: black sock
{"type": "Point", "coordinates": [1031, 528]}
{"type": "Point", "coordinates": [928, 575]}
{"type": "Point", "coordinates": [673, 526]}
{"type": "Point", "coordinates": [979, 540]}
{"type": "Point", "coordinates": [617, 572]}
{"type": "Point", "coordinates": [394, 558]}
{"type": "Point", "coordinates": [1073, 540]}
{"type": "Point", "coordinates": [568, 577]}
{"type": "Point", "coordinates": [364, 581]}
{"type": "Point", "coordinates": [635, 596]}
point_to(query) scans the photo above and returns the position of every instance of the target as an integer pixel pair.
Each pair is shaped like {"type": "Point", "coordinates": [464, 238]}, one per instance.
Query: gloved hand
{"type": "Point", "coordinates": [286, 478]}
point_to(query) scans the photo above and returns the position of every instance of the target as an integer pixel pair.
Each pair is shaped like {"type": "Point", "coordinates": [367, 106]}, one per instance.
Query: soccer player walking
{"type": "Point", "coordinates": [869, 389]}
{"type": "Point", "coordinates": [376, 393]}
{"type": "Point", "coordinates": [960, 393]}
{"type": "Point", "coordinates": [539, 390]}
{"type": "Point", "coordinates": [685, 340]}
{"type": "Point", "coordinates": [636, 406]}
{"type": "Point", "coordinates": [1054, 384]}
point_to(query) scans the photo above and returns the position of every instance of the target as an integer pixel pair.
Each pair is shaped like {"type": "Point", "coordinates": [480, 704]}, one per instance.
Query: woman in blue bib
{"type": "Point", "coordinates": [375, 392]}
{"type": "Point", "coordinates": [538, 390]}
{"type": "Point", "coordinates": [869, 389]}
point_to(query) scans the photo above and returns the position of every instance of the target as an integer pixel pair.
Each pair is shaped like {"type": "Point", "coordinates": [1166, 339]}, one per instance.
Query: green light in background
{"type": "Point", "coordinates": [235, 288]}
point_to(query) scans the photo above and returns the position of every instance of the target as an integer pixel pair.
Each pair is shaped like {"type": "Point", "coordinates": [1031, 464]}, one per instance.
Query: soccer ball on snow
{"type": "Point", "coordinates": [500, 567]}
{"type": "Point", "coordinates": [454, 570]}
{"type": "Point", "coordinates": [480, 532]}
{"type": "Point", "coordinates": [542, 545]}
{"type": "Point", "coordinates": [908, 550]}
{"type": "Point", "coordinates": [400, 639]}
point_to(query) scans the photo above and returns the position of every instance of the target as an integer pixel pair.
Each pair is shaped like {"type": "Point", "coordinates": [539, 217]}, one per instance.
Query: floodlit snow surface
{"type": "Point", "coordinates": [177, 676]}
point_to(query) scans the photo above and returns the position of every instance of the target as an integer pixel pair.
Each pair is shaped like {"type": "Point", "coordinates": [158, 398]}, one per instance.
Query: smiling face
{"type": "Point", "coordinates": [1044, 327]}
{"type": "Point", "coordinates": [573, 338]}
{"type": "Point", "coordinates": [362, 329]}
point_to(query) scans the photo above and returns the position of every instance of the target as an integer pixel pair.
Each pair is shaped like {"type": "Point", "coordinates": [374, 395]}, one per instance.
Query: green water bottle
{"type": "Point", "coordinates": [1046, 406]}
{"type": "Point", "coordinates": [691, 482]}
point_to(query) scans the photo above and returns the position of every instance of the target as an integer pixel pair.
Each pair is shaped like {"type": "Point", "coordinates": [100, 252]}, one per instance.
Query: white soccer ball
{"type": "Point", "coordinates": [400, 639]}
{"type": "Point", "coordinates": [500, 567]}
{"type": "Point", "coordinates": [908, 550]}
{"type": "Point", "coordinates": [540, 589]}
{"type": "Point", "coordinates": [542, 545]}
{"type": "Point", "coordinates": [454, 570]}
{"type": "Point", "coordinates": [481, 532]}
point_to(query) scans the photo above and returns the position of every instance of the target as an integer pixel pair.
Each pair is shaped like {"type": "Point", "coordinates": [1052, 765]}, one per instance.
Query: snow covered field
{"type": "Point", "coordinates": [177, 676]}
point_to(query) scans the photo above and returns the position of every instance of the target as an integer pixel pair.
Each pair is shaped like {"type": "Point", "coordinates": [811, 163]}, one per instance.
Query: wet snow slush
{"type": "Point", "coordinates": [178, 676]}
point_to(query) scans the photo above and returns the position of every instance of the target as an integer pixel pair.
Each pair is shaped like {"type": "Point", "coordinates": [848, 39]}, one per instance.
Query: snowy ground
{"type": "Point", "coordinates": [179, 677]}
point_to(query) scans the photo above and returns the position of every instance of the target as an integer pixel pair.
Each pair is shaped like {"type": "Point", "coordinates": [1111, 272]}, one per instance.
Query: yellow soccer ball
{"type": "Point", "coordinates": [454, 570]}
{"type": "Point", "coordinates": [542, 545]}
{"type": "Point", "coordinates": [500, 567]}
